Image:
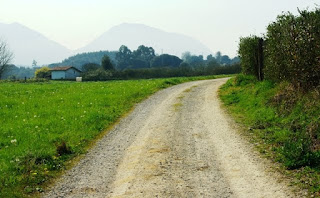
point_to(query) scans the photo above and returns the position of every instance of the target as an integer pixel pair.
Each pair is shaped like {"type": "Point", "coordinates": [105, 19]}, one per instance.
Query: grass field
{"type": "Point", "coordinates": [284, 122]}
{"type": "Point", "coordinates": [45, 125]}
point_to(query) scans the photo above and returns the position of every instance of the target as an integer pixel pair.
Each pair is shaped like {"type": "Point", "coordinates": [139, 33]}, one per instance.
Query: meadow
{"type": "Point", "coordinates": [46, 125]}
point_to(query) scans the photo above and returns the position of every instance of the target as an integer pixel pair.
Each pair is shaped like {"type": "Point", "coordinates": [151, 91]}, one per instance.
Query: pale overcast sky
{"type": "Point", "coordinates": [216, 23]}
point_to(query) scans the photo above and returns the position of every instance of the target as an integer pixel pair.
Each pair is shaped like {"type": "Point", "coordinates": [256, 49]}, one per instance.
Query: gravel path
{"type": "Point", "coordinates": [177, 143]}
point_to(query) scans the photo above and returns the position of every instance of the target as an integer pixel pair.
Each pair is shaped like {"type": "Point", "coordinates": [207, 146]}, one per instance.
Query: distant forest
{"type": "Point", "coordinates": [142, 60]}
{"type": "Point", "coordinates": [14, 72]}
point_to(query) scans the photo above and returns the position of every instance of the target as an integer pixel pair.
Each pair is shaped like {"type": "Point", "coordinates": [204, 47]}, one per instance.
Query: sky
{"type": "Point", "coordinates": [216, 23]}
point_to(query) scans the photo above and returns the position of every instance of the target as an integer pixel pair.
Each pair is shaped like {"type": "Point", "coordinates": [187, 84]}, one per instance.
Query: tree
{"type": "Point", "coordinates": [166, 60]}
{"type": "Point", "coordinates": [5, 57]}
{"type": "Point", "coordinates": [43, 72]}
{"type": "Point", "coordinates": [192, 59]}
{"type": "Point", "coordinates": [34, 63]}
{"type": "Point", "coordinates": [123, 57]}
{"type": "Point", "coordinates": [142, 56]}
{"type": "Point", "coordinates": [90, 67]}
{"type": "Point", "coordinates": [225, 60]}
{"type": "Point", "coordinates": [106, 63]}
{"type": "Point", "coordinates": [213, 64]}
{"type": "Point", "coordinates": [144, 53]}
{"type": "Point", "coordinates": [218, 57]}
{"type": "Point", "coordinates": [123, 54]}
{"type": "Point", "coordinates": [210, 58]}
{"type": "Point", "coordinates": [186, 56]}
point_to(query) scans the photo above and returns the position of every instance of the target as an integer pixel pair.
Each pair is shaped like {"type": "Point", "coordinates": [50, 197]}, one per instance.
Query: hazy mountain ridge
{"type": "Point", "coordinates": [28, 45]}
{"type": "Point", "coordinates": [134, 35]}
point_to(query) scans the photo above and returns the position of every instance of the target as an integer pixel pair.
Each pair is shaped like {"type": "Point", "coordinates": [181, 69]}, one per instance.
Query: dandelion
{"type": "Point", "coordinates": [13, 141]}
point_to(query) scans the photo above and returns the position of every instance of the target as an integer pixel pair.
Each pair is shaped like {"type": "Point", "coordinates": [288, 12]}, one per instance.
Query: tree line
{"type": "Point", "coordinates": [127, 64]}
{"type": "Point", "coordinates": [144, 63]}
{"type": "Point", "coordinates": [288, 52]}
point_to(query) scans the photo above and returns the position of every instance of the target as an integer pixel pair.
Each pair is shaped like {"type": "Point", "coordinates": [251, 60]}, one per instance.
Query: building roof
{"type": "Point", "coordinates": [63, 68]}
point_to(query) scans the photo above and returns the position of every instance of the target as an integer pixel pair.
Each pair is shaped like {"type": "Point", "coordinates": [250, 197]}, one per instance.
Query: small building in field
{"type": "Point", "coordinates": [69, 73]}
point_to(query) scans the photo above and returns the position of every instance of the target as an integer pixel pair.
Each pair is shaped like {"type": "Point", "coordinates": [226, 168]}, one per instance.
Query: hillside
{"type": "Point", "coordinates": [80, 59]}
{"type": "Point", "coordinates": [28, 45]}
{"type": "Point", "coordinates": [134, 35]}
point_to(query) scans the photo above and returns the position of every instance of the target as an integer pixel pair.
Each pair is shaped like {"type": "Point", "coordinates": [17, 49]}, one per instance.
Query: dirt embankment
{"type": "Point", "coordinates": [177, 143]}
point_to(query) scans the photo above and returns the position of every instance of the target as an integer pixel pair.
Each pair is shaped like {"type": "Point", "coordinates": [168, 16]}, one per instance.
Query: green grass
{"type": "Point", "coordinates": [45, 125]}
{"type": "Point", "coordinates": [284, 121]}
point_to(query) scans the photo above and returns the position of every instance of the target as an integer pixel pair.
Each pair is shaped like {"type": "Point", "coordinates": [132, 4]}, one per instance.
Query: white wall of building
{"type": "Point", "coordinates": [55, 75]}
{"type": "Point", "coordinates": [69, 74]}
{"type": "Point", "coordinates": [72, 73]}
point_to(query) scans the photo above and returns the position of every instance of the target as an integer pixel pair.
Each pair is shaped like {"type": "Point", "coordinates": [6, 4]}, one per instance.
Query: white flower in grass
{"type": "Point", "coordinates": [13, 141]}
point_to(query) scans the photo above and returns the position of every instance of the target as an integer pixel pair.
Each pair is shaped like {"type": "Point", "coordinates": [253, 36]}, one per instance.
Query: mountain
{"type": "Point", "coordinates": [28, 45]}
{"type": "Point", "coordinates": [134, 35]}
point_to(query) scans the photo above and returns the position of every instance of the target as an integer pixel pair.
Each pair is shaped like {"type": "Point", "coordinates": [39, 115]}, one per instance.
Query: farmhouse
{"type": "Point", "coordinates": [64, 73]}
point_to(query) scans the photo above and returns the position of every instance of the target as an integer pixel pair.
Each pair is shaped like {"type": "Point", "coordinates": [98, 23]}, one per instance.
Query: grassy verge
{"type": "Point", "coordinates": [285, 123]}
{"type": "Point", "coordinates": [45, 125]}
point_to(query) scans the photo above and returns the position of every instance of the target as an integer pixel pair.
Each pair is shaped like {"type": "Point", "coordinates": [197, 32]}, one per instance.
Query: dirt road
{"type": "Point", "coordinates": [177, 143]}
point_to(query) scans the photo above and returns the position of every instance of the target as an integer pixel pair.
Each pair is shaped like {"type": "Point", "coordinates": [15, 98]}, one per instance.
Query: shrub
{"type": "Point", "coordinates": [97, 75]}
{"type": "Point", "coordinates": [106, 63]}
{"type": "Point", "coordinates": [292, 49]}
{"type": "Point", "coordinates": [43, 72]}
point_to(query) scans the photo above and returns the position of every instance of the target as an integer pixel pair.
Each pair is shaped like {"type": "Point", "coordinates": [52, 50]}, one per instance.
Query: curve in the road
{"type": "Point", "coordinates": [177, 143]}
